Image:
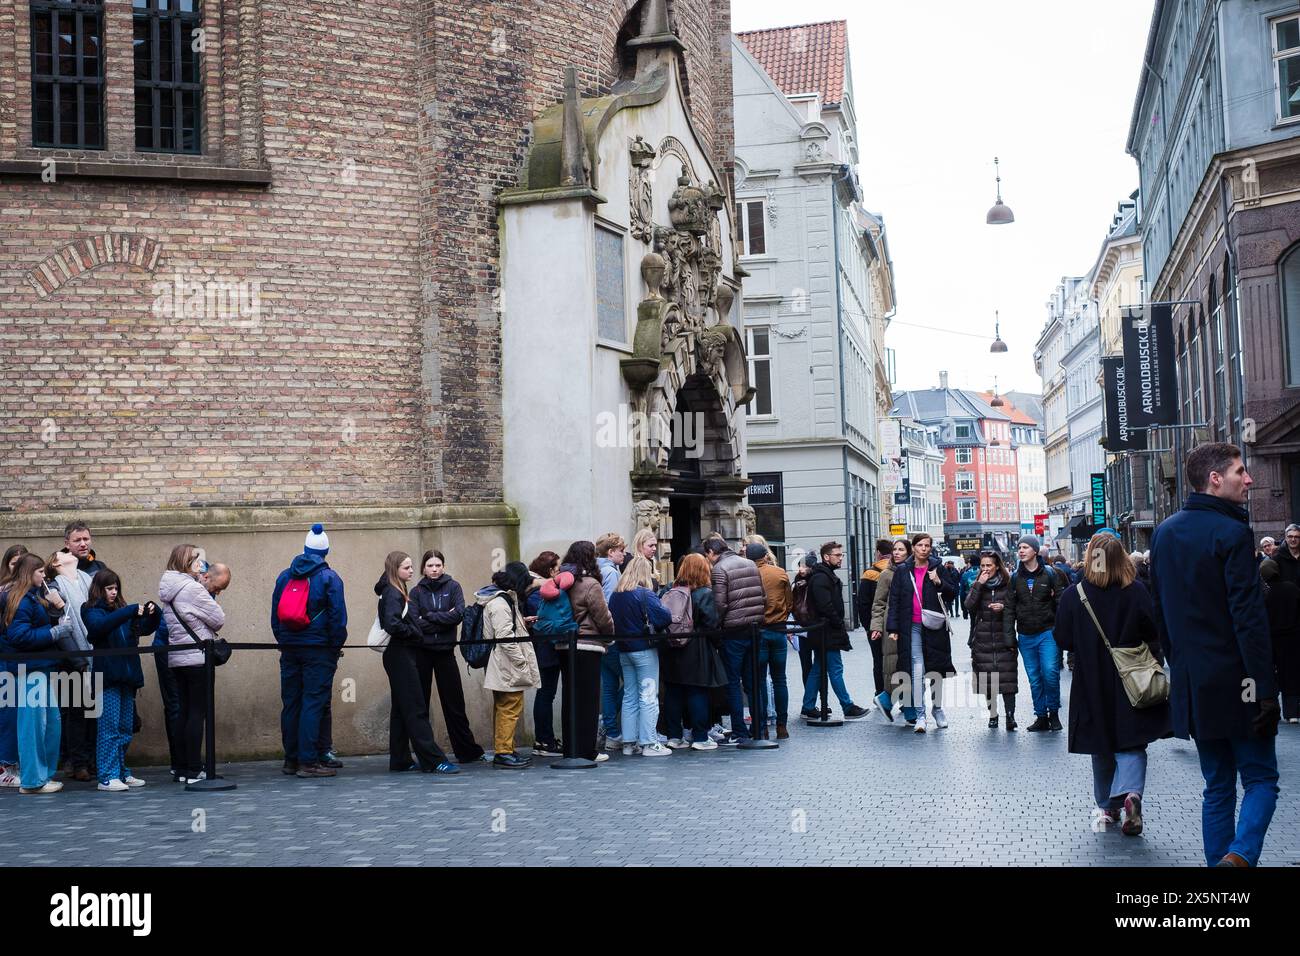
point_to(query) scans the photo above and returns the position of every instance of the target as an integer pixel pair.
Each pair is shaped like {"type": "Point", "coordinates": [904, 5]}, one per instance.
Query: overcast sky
{"type": "Point", "coordinates": [942, 88]}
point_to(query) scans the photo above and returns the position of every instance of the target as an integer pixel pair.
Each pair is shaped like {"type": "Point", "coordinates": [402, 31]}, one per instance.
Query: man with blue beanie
{"type": "Point", "coordinates": [310, 622]}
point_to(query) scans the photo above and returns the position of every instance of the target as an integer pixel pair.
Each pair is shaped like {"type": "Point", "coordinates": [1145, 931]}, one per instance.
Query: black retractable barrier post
{"type": "Point", "coordinates": [212, 783]}
{"type": "Point", "coordinates": [757, 712]}
{"type": "Point", "coordinates": [571, 760]}
{"type": "Point", "coordinates": [824, 719]}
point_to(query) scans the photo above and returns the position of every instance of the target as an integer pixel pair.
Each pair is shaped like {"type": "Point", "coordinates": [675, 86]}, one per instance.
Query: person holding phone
{"type": "Point", "coordinates": [995, 667]}
{"type": "Point", "coordinates": [112, 623]}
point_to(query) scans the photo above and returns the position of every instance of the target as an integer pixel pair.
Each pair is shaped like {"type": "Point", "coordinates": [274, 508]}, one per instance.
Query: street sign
{"type": "Point", "coordinates": [904, 495]}
{"type": "Point", "coordinates": [968, 544]}
{"type": "Point", "coordinates": [898, 531]}
{"type": "Point", "coordinates": [1040, 525]}
{"type": "Point", "coordinates": [1099, 500]}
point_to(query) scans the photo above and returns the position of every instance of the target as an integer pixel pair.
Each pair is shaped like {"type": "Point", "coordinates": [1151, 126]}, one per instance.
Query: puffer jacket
{"type": "Point", "coordinates": [438, 605]}
{"type": "Point", "coordinates": [827, 596]}
{"type": "Point", "coordinates": [512, 666]}
{"type": "Point", "coordinates": [29, 631]}
{"type": "Point", "coordinates": [993, 638]}
{"type": "Point", "coordinates": [592, 614]}
{"type": "Point", "coordinates": [546, 656]}
{"type": "Point", "coordinates": [737, 591]}
{"type": "Point", "coordinates": [180, 594]}
{"type": "Point", "coordinates": [1034, 608]}
{"type": "Point", "coordinates": [117, 628]}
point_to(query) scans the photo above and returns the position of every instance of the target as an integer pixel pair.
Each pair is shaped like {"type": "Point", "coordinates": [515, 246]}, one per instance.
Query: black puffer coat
{"type": "Point", "coordinates": [827, 595]}
{"type": "Point", "coordinates": [993, 639]}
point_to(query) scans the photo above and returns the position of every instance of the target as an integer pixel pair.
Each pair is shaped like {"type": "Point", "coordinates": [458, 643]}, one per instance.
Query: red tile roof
{"type": "Point", "coordinates": [1017, 415]}
{"type": "Point", "coordinates": [804, 58]}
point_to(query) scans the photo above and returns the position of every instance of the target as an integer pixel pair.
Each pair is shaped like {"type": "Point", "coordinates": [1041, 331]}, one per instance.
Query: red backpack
{"type": "Point", "coordinates": [292, 609]}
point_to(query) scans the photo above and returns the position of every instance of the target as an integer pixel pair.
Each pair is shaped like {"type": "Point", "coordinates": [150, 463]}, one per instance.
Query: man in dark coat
{"type": "Point", "coordinates": [1035, 590]}
{"type": "Point", "coordinates": [1287, 554]}
{"type": "Point", "coordinates": [827, 596]}
{"type": "Point", "coordinates": [1214, 628]}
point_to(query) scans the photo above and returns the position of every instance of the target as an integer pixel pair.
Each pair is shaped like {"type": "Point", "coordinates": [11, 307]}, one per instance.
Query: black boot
{"type": "Point", "coordinates": [993, 721]}
{"type": "Point", "coordinates": [1054, 720]}
{"type": "Point", "coordinates": [1011, 722]}
{"type": "Point", "coordinates": [1040, 723]}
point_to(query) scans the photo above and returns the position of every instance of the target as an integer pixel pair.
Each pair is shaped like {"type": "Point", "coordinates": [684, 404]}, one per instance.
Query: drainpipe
{"type": "Point", "coordinates": [839, 352]}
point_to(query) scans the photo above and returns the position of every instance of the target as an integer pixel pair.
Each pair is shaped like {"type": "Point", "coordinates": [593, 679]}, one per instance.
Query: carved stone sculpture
{"type": "Point", "coordinates": [688, 209]}
{"type": "Point", "coordinates": [647, 514]}
{"type": "Point", "coordinates": [640, 191]}
{"type": "Point", "coordinates": [745, 514]}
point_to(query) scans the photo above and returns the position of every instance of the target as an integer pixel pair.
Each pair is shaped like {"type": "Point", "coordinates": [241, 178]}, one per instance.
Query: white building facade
{"type": "Point", "coordinates": [817, 289]}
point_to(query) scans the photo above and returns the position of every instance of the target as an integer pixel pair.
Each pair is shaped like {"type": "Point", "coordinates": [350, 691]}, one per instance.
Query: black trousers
{"type": "Point", "coordinates": [441, 666]}
{"type": "Point", "coordinates": [171, 700]}
{"type": "Point", "coordinates": [408, 720]}
{"type": "Point", "coordinates": [79, 735]}
{"type": "Point", "coordinates": [192, 684]}
{"type": "Point", "coordinates": [877, 660]}
{"type": "Point", "coordinates": [806, 645]}
{"type": "Point", "coordinates": [580, 736]}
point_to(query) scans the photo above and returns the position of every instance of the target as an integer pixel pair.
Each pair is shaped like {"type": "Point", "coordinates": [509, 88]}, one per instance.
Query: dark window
{"type": "Point", "coordinates": [68, 73]}
{"type": "Point", "coordinates": [168, 75]}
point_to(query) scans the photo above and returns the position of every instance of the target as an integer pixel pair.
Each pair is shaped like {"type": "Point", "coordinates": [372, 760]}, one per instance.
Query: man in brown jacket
{"type": "Point", "coordinates": [738, 595]}
{"type": "Point", "coordinates": [778, 601]}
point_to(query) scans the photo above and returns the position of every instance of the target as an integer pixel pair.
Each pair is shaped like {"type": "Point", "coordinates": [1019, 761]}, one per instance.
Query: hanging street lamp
{"type": "Point", "coordinates": [999, 214]}
{"type": "Point", "coordinates": [998, 345]}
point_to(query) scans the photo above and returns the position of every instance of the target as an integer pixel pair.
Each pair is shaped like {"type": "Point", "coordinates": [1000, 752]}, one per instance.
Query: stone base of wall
{"type": "Point", "coordinates": [258, 543]}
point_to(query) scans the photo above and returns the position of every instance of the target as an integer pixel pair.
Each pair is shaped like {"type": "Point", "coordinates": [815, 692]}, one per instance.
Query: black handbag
{"type": "Point", "coordinates": [220, 646]}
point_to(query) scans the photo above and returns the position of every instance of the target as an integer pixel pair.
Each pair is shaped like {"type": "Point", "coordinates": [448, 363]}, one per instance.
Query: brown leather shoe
{"type": "Point", "coordinates": [782, 733]}
{"type": "Point", "coordinates": [83, 775]}
{"type": "Point", "coordinates": [1232, 859]}
{"type": "Point", "coordinates": [316, 770]}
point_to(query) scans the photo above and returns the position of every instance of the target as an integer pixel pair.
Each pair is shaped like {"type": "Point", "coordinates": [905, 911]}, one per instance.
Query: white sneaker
{"type": "Point", "coordinates": [613, 743]}
{"type": "Point", "coordinates": [133, 782]}
{"type": "Point", "coordinates": [631, 750]}
{"type": "Point", "coordinates": [676, 743]}
{"type": "Point", "coordinates": [706, 744]}
{"type": "Point", "coordinates": [717, 733]}
{"type": "Point", "coordinates": [10, 779]}
{"type": "Point", "coordinates": [203, 775]}
{"type": "Point", "coordinates": [601, 758]}
{"type": "Point", "coordinates": [54, 786]}
{"type": "Point", "coordinates": [113, 786]}
{"type": "Point", "coordinates": [1293, 720]}
{"type": "Point", "coordinates": [920, 726]}
{"type": "Point", "coordinates": [656, 749]}
{"type": "Point", "coordinates": [940, 718]}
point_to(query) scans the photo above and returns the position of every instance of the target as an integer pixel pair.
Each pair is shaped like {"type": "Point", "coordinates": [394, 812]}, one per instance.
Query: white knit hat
{"type": "Point", "coordinates": [318, 541]}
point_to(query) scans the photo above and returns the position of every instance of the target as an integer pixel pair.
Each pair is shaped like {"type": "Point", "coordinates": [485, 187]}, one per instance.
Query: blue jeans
{"type": "Point", "coordinates": [835, 677]}
{"type": "Point", "coordinates": [39, 729]}
{"type": "Point", "coordinates": [113, 734]}
{"type": "Point", "coordinates": [694, 702]}
{"type": "Point", "coordinates": [8, 733]}
{"type": "Point", "coordinates": [1255, 759]}
{"type": "Point", "coordinates": [918, 678]}
{"type": "Point", "coordinates": [544, 705]}
{"type": "Point", "coordinates": [640, 695]}
{"type": "Point", "coordinates": [737, 661]}
{"type": "Point", "coordinates": [306, 676]}
{"type": "Point", "coordinates": [611, 696]}
{"type": "Point", "coordinates": [772, 649]}
{"type": "Point", "coordinates": [1043, 665]}
{"type": "Point", "coordinates": [1115, 776]}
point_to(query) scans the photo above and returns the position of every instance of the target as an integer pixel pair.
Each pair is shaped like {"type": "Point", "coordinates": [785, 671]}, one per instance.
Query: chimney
{"type": "Point", "coordinates": [943, 379]}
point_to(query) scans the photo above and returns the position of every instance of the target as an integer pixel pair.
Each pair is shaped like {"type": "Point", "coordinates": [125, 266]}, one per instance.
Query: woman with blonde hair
{"type": "Point", "coordinates": [408, 715]}
{"type": "Point", "coordinates": [1110, 605]}
{"type": "Point", "coordinates": [636, 610]}
{"type": "Point", "coordinates": [188, 607]}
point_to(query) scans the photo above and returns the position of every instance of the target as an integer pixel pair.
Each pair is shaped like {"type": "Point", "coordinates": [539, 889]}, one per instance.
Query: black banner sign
{"type": "Point", "coordinates": [1119, 433]}
{"type": "Point", "coordinates": [1152, 386]}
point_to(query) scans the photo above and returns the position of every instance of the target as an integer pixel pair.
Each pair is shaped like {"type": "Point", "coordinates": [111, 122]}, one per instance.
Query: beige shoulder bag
{"type": "Point", "coordinates": [1144, 680]}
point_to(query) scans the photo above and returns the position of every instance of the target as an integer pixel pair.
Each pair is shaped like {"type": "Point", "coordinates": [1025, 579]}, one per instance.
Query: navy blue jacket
{"type": "Point", "coordinates": [107, 627]}
{"type": "Point", "coordinates": [631, 611]}
{"type": "Point", "coordinates": [1211, 617]}
{"type": "Point", "coordinates": [936, 643]}
{"type": "Point", "coordinates": [29, 632]}
{"type": "Point", "coordinates": [325, 605]}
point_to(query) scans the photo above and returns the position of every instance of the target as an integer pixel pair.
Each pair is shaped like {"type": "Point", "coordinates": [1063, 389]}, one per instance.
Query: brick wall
{"type": "Point", "coordinates": [364, 363]}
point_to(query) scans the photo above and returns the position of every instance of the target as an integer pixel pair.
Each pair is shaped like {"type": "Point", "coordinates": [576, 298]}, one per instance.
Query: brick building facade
{"type": "Point", "coordinates": [299, 320]}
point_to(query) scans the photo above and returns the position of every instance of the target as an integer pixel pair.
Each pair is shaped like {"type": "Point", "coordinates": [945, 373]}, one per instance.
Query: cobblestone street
{"type": "Point", "coordinates": [866, 793]}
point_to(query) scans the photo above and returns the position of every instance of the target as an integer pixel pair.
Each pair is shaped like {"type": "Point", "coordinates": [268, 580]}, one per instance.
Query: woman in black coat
{"type": "Point", "coordinates": [408, 720]}
{"type": "Point", "coordinates": [1102, 721]}
{"type": "Point", "coordinates": [929, 650]}
{"type": "Point", "coordinates": [689, 672]}
{"type": "Point", "coordinates": [995, 665]}
{"type": "Point", "coordinates": [1282, 602]}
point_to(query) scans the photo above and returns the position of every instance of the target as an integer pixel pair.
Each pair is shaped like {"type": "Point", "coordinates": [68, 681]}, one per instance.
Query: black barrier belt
{"type": "Point", "coordinates": [735, 634]}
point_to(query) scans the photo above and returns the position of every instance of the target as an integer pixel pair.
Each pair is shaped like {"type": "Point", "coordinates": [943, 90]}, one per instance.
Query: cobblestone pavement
{"type": "Point", "coordinates": [866, 793]}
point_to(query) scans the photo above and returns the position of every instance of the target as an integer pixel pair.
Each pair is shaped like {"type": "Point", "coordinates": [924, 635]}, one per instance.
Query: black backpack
{"type": "Point", "coordinates": [471, 629]}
